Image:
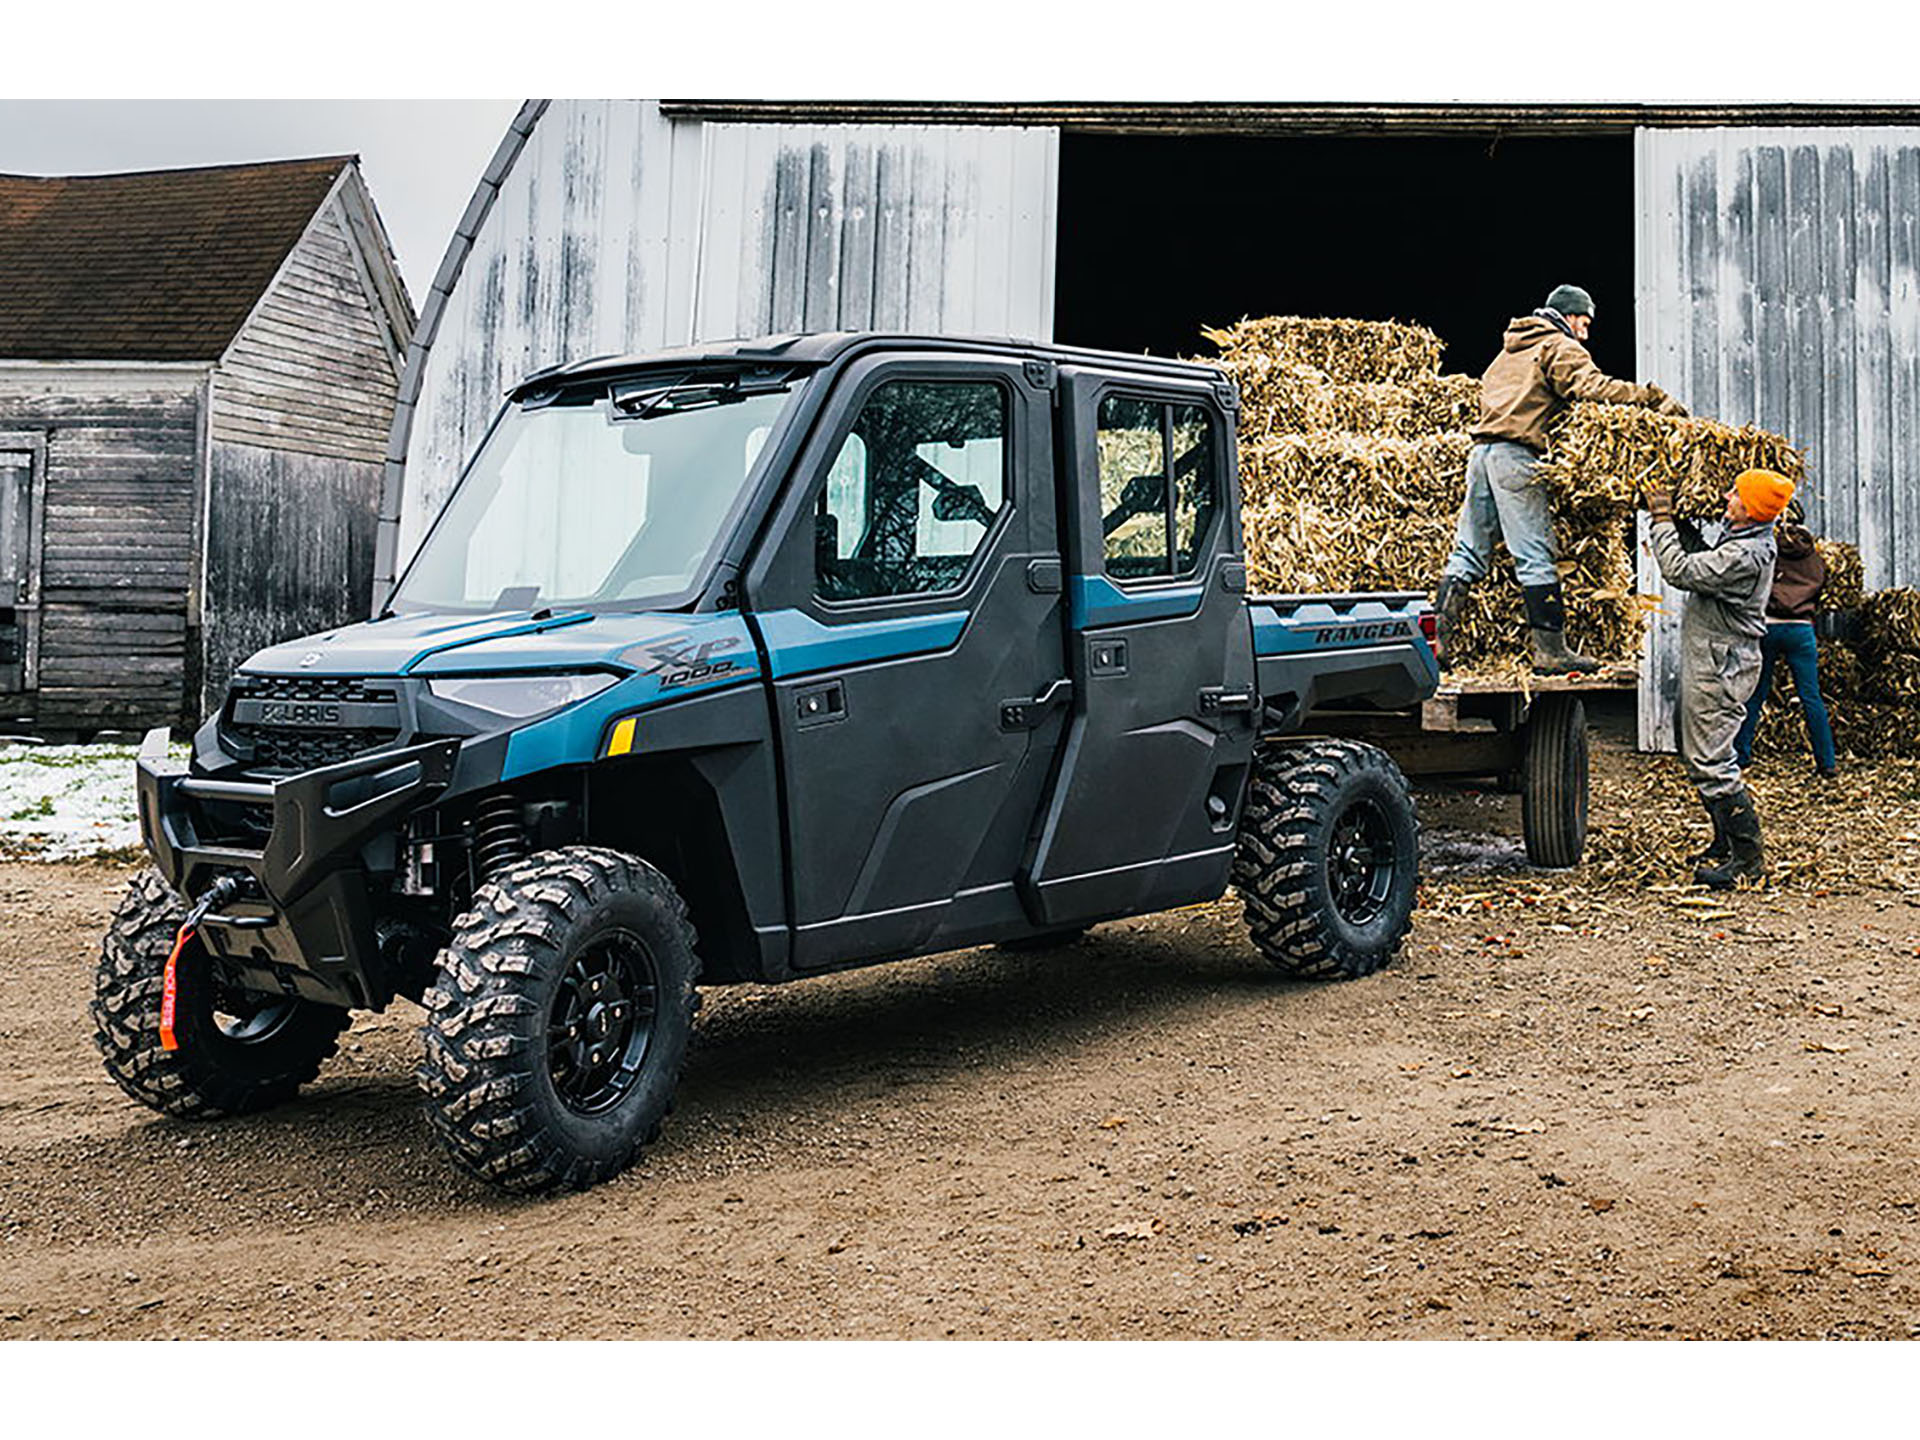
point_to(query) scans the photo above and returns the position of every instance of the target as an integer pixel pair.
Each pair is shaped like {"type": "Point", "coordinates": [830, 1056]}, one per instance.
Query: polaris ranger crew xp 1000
{"type": "Point", "coordinates": [748, 662]}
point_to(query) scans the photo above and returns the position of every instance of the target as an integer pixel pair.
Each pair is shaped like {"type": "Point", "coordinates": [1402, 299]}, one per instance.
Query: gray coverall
{"type": "Point", "coordinates": [1720, 630]}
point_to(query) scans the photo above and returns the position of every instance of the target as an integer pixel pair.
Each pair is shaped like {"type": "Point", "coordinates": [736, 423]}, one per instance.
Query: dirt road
{"type": "Point", "coordinates": [1612, 1121]}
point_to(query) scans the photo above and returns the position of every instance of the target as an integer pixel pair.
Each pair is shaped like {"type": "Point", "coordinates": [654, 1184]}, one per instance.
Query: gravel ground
{"type": "Point", "coordinates": [1557, 1115]}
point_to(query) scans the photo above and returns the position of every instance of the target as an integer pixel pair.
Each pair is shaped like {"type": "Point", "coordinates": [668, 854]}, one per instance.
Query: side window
{"type": "Point", "coordinates": [1150, 533]}
{"type": "Point", "coordinates": [914, 490]}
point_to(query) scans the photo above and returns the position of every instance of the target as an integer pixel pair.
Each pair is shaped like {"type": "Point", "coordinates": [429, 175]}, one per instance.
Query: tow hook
{"type": "Point", "coordinates": [218, 893]}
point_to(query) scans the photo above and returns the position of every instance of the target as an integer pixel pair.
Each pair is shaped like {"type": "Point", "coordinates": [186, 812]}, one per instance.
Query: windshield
{"type": "Point", "coordinates": [592, 499]}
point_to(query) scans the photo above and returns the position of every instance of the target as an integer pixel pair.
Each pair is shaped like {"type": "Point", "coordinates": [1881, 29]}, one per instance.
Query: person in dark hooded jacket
{"type": "Point", "coordinates": [1799, 574]}
{"type": "Point", "coordinates": [1542, 368]}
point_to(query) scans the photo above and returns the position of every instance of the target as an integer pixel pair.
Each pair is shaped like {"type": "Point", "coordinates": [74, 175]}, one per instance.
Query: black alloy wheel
{"type": "Point", "coordinates": [601, 1023]}
{"type": "Point", "coordinates": [1360, 862]}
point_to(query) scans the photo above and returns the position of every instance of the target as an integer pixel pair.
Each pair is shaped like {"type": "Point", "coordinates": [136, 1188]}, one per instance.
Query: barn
{"type": "Point", "coordinates": [1761, 262]}
{"type": "Point", "coordinates": [197, 377]}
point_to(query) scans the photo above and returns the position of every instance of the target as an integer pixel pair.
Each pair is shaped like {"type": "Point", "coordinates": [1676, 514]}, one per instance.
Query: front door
{"type": "Point", "coordinates": [911, 615]}
{"type": "Point", "coordinates": [1143, 814]}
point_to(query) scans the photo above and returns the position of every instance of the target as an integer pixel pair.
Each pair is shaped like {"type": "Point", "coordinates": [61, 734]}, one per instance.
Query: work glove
{"type": "Point", "coordinates": [1659, 505]}
{"type": "Point", "coordinates": [1665, 404]}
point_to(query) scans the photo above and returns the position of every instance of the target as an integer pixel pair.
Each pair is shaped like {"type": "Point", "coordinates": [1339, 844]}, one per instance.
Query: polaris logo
{"type": "Point", "coordinates": [288, 712]}
{"type": "Point", "coordinates": [1380, 630]}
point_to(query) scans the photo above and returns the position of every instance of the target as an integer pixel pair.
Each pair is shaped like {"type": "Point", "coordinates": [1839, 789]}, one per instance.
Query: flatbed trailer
{"type": "Point", "coordinates": [1526, 735]}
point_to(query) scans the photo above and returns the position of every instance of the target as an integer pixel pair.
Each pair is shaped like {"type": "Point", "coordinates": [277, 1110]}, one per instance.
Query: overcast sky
{"type": "Point", "coordinates": [421, 158]}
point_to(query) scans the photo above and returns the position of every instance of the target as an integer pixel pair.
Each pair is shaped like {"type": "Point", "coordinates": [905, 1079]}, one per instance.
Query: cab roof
{"type": "Point", "coordinates": [825, 348]}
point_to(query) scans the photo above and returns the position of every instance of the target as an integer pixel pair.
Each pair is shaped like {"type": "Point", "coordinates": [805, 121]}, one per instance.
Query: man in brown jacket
{"type": "Point", "coordinates": [1542, 367]}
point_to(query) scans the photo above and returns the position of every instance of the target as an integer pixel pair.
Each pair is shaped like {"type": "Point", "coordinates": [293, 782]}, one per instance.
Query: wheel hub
{"type": "Point", "coordinates": [601, 1023]}
{"type": "Point", "coordinates": [1360, 862]}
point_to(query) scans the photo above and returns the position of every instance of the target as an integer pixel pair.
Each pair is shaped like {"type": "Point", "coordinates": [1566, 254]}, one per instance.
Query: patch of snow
{"type": "Point", "coordinates": [65, 802]}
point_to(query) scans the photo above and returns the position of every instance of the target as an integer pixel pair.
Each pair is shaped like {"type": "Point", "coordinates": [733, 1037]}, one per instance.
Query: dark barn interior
{"type": "Point", "coordinates": [1162, 234]}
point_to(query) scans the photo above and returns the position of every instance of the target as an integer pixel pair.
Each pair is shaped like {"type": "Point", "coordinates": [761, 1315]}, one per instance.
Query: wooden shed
{"type": "Point", "coordinates": [197, 379]}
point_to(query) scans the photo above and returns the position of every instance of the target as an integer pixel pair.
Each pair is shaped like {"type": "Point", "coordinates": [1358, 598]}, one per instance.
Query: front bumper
{"type": "Point", "coordinates": [309, 929]}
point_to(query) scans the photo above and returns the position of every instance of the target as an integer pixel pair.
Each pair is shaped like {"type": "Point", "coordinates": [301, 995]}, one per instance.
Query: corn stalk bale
{"type": "Point", "coordinates": [1893, 679]}
{"type": "Point", "coordinates": [1346, 351]}
{"type": "Point", "coordinates": [1407, 410]}
{"type": "Point", "coordinates": [1844, 588]}
{"type": "Point", "coordinates": [1609, 454]}
{"type": "Point", "coordinates": [1276, 397]}
{"type": "Point", "coordinates": [1890, 623]}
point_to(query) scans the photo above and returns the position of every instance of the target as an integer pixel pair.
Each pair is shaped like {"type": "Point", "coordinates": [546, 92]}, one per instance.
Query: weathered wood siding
{"type": "Point", "coordinates": [314, 370]}
{"type": "Point", "coordinates": [613, 230]}
{"type": "Point", "coordinates": [302, 407]}
{"type": "Point", "coordinates": [117, 553]}
{"type": "Point", "coordinates": [295, 554]}
{"type": "Point", "coordinates": [1778, 273]}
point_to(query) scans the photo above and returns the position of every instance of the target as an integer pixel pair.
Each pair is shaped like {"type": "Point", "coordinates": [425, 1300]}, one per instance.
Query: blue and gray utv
{"type": "Point", "coordinates": [746, 663]}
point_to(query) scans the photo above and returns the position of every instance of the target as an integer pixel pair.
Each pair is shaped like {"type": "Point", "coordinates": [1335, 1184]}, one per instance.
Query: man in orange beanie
{"type": "Point", "coordinates": [1727, 585]}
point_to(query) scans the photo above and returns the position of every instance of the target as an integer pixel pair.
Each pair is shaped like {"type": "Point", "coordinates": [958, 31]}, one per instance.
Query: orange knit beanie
{"type": "Point", "coordinates": [1763, 493]}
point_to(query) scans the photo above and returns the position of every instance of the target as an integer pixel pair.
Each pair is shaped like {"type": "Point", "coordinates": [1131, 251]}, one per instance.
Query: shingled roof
{"type": "Point", "coordinates": [160, 265]}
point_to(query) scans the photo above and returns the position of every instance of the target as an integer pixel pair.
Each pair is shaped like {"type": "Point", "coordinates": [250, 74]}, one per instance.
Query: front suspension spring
{"type": "Point", "coordinates": [499, 839]}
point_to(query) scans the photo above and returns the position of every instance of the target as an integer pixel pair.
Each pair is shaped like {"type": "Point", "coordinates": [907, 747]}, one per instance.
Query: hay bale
{"type": "Point", "coordinates": [1845, 575]}
{"type": "Point", "coordinates": [1428, 405]}
{"type": "Point", "coordinates": [1278, 397]}
{"type": "Point", "coordinates": [1606, 456]}
{"type": "Point", "coordinates": [1346, 351]}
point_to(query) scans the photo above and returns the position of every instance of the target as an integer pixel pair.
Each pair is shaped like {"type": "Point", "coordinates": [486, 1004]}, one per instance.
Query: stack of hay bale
{"type": "Point", "coordinates": [1869, 675]}
{"type": "Point", "coordinates": [1353, 457]}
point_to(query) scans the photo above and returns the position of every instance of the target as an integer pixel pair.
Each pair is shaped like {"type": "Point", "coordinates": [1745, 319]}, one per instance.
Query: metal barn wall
{"type": "Point", "coordinates": [1778, 280]}
{"type": "Point", "coordinates": [605, 228]}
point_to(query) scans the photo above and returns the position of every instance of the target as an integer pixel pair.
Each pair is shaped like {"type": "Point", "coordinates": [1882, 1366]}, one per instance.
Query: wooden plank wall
{"type": "Point", "coordinates": [311, 370]}
{"type": "Point", "coordinates": [118, 547]}
{"type": "Point", "coordinates": [266, 589]}
{"type": "Point", "coordinates": [302, 406]}
{"type": "Point", "coordinates": [1778, 279]}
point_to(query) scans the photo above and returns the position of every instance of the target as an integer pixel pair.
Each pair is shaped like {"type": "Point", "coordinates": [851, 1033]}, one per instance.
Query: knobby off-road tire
{"type": "Point", "coordinates": [559, 1020]}
{"type": "Point", "coordinates": [1328, 858]}
{"type": "Point", "coordinates": [238, 1052]}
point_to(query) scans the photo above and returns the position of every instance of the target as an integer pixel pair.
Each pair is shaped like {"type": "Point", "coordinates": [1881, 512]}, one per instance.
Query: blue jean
{"type": "Point", "coordinates": [1795, 644]}
{"type": "Point", "coordinates": [1504, 502]}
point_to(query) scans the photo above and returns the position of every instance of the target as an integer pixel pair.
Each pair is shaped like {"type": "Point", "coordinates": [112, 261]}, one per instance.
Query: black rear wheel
{"type": "Point", "coordinates": [1553, 796]}
{"type": "Point", "coordinates": [1328, 859]}
{"type": "Point", "coordinates": [238, 1051]}
{"type": "Point", "coordinates": [560, 1019]}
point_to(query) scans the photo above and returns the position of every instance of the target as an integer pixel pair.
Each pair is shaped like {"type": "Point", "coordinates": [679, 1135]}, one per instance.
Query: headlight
{"type": "Point", "coordinates": [518, 696]}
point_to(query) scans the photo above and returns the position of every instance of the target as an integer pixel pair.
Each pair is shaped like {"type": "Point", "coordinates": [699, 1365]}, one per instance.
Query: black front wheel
{"type": "Point", "coordinates": [1328, 858]}
{"type": "Point", "coordinates": [560, 1019]}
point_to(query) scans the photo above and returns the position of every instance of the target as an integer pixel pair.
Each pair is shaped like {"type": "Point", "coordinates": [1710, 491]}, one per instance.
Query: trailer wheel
{"type": "Point", "coordinates": [238, 1051]}
{"type": "Point", "coordinates": [560, 1019]}
{"type": "Point", "coordinates": [1553, 802]}
{"type": "Point", "coordinates": [1328, 858]}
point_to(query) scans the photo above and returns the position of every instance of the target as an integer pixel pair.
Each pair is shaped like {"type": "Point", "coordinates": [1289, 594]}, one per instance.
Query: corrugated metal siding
{"type": "Point", "coordinates": [616, 230]}
{"type": "Point", "coordinates": [1778, 278]}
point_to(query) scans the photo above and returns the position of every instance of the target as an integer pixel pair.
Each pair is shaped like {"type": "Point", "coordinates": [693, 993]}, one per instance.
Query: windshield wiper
{"type": "Point", "coordinates": [641, 398]}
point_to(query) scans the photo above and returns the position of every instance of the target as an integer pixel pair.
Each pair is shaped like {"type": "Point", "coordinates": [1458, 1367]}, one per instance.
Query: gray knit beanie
{"type": "Point", "coordinates": [1570, 300]}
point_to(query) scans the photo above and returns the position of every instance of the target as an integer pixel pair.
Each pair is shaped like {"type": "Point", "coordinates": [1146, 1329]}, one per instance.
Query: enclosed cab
{"type": "Point", "coordinates": [747, 663]}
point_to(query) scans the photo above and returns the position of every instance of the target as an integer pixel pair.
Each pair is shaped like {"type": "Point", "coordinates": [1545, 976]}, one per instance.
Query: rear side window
{"type": "Point", "coordinates": [1150, 530]}
{"type": "Point", "coordinates": [914, 491]}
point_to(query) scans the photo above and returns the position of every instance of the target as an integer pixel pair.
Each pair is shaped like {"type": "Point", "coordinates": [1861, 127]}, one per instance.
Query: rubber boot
{"type": "Point", "coordinates": [1748, 860]}
{"type": "Point", "coordinates": [1720, 848]}
{"type": "Point", "coordinates": [1547, 617]}
{"type": "Point", "coordinates": [1448, 601]}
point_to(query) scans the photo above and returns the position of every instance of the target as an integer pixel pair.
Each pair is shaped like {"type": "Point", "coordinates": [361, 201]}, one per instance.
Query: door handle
{"type": "Point", "coordinates": [1027, 714]}
{"type": "Point", "coordinates": [820, 705]}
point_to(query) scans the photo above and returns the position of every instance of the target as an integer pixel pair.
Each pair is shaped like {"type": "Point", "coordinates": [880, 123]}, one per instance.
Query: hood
{"type": "Point", "coordinates": [1794, 541]}
{"type": "Point", "coordinates": [1526, 331]}
{"type": "Point", "coordinates": [505, 641]}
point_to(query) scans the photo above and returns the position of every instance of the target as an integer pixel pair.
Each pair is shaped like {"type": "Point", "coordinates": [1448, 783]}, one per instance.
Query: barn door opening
{"type": "Point", "coordinates": [1160, 235]}
{"type": "Point", "coordinates": [20, 463]}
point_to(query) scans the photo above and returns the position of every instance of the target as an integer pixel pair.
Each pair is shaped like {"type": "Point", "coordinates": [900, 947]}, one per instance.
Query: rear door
{"type": "Point", "coordinates": [1142, 814]}
{"type": "Point", "coordinates": [911, 615]}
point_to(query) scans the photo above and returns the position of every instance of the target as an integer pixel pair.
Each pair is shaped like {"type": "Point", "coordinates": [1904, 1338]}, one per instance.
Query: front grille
{"type": "Point", "coordinates": [290, 747]}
